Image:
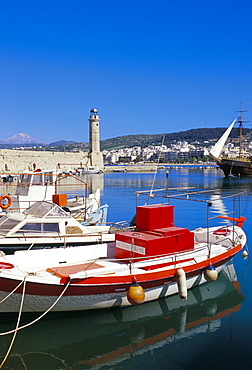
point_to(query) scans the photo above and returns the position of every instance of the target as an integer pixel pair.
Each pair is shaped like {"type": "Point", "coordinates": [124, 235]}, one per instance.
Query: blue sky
{"type": "Point", "coordinates": [149, 67]}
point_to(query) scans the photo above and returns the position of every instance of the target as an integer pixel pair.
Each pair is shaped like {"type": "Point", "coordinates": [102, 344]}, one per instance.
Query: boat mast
{"type": "Point", "coordinates": [241, 121]}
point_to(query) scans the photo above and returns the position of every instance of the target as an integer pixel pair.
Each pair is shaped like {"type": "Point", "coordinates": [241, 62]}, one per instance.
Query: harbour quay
{"type": "Point", "coordinates": [17, 160]}
{"type": "Point", "coordinates": [131, 168]}
{"type": "Point", "coordinates": [14, 160]}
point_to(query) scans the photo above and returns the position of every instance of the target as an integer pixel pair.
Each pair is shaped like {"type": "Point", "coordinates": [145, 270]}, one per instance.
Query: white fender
{"type": "Point", "coordinates": [181, 281]}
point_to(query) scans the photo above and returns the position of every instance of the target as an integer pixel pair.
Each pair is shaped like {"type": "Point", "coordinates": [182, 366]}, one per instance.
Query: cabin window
{"type": "Point", "coordinates": [23, 185]}
{"type": "Point", "coordinates": [51, 228]}
{"type": "Point", "coordinates": [39, 228]}
{"type": "Point", "coordinates": [48, 178]}
{"type": "Point", "coordinates": [30, 228]}
{"type": "Point", "coordinates": [25, 179]}
{"type": "Point", "coordinates": [7, 224]}
{"type": "Point", "coordinates": [37, 179]}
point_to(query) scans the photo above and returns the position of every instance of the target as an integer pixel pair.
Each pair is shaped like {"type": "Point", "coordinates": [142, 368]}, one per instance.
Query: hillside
{"type": "Point", "coordinates": [201, 136]}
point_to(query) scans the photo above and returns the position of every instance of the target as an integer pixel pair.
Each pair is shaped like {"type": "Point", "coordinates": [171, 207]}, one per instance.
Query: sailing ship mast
{"type": "Point", "coordinates": [241, 121]}
{"type": "Point", "coordinates": [236, 165]}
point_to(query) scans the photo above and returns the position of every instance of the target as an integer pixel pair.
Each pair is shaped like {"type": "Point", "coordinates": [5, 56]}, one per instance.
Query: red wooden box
{"type": "Point", "coordinates": [142, 245]}
{"type": "Point", "coordinates": [184, 242]}
{"type": "Point", "coordinates": [154, 217]}
{"type": "Point", "coordinates": [137, 244]}
{"type": "Point", "coordinates": [171, 230]}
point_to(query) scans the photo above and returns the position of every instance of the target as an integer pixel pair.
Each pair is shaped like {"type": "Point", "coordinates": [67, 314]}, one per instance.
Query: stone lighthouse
{"type": "Point", "coordinates": [95, 155]}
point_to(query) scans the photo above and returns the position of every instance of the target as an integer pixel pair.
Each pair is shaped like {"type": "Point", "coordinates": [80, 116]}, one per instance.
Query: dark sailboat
{"type": "Point", "coordinates": [240, 165]}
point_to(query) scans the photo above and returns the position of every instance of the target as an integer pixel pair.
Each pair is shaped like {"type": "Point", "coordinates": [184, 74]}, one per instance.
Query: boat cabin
{"type": "Point", "coordinates": [41, 218]}
{"type": "Point", "coordinates": [33, 186]}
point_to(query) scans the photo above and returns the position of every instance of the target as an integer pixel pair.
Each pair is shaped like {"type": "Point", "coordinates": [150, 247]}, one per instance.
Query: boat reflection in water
{"type": "Point", "coordinates": [131, 337]}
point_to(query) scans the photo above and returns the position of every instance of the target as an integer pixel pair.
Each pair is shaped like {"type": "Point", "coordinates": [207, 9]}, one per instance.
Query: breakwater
{"type": "Point", "coordinates": [12, 160]}
{"type": "Point", "coordinates": [16, 161]}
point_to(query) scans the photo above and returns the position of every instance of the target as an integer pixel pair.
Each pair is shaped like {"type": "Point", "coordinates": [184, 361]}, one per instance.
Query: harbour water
{"type": "Point", "coordinates": [211, 329]}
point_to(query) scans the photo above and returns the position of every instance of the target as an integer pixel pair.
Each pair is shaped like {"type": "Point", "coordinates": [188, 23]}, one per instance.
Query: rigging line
{"type": "Point", "coordinates": [17, 326]}
{"type": "Point", "coordinates": [155, 174]}
{"type": "Point", "coordinates": [42, 315]}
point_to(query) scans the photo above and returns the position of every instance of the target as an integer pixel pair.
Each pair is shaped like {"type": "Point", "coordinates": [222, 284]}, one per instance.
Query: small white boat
{"type": "Point", "coordinates": [155, 260]}
{"type": "Point", "coordinates": [41, 185]}
{"type": "Point", "coordinates": [46, 224]}
{"type": "Point", "coordinates": [89, 170]}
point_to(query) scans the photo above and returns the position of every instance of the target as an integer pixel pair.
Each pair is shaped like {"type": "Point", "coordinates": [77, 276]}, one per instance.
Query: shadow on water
{"type": "Point", "coordinates": [129, 337]}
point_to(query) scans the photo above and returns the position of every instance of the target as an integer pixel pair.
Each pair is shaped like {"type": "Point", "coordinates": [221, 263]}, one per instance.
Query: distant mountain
{"type": "Point", "coordinates": [61, 142]}
{"type": "Point", "coordinates": [21, 139]}
{"type": "Point", "coordinates": [200, 136]}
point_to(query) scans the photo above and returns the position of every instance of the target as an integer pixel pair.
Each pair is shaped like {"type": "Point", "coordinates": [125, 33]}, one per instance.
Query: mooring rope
{"type": "Point", "coordinates": [19, 316]}
{"type": "Point", "coordinates": [43, 314]}
{"type": "Point", "coordinates": [17, 326]}
{"type": "Point", "coordinates": [13, 291]}
{"type": "Point", "coordinates": [21, 357]}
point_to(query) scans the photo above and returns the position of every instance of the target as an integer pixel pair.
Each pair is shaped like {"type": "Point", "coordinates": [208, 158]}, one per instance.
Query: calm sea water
{"type": "Point", "coordinates": [212, 329]}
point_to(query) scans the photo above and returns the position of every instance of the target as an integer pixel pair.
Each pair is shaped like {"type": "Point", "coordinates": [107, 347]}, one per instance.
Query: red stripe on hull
{"type": "Point", "coordinates": [116, 284]}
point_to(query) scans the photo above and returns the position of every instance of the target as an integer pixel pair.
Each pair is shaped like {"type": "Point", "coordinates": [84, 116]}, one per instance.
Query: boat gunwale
{"type": "Point", "coordinates": [108, 284]}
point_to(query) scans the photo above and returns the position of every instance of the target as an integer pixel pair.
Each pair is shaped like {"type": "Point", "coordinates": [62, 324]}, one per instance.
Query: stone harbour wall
{"type": "Point", "coordinates": [16, 161]}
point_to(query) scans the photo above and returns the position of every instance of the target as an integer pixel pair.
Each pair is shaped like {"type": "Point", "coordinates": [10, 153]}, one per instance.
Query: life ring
{"type": "Point", "coordinates": [9, 201]}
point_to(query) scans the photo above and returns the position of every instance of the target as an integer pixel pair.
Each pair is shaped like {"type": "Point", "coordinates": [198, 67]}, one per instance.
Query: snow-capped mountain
{"type": "Point", "coordinates": [21, 139]}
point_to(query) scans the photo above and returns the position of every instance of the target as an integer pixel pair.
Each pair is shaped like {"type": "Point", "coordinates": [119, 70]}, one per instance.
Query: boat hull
{"type": "Point", "coordinates": [236, 167]}
{"type": "Point", "coordinates": [96, 292]}
{"type": "Point", "coordinates": [81, 301]}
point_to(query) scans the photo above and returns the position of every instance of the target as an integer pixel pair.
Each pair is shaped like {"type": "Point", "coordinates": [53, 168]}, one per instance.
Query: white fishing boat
{"type": "Point", "coordinates": [155, 260]}
{"type": "Point", "coordinates": [45, 224]}
{"type": "Point", "coordinates": [131, 333]}
{"type": "Point", "coordinates": [38, 185]}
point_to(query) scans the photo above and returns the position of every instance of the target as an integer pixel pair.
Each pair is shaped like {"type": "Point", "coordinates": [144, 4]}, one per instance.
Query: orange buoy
{"type": "Point", "coordinates": [135, 294]}
{"type": "Point", "coordinates": [9, 201]}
